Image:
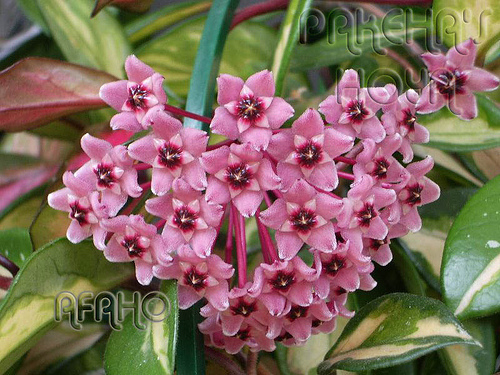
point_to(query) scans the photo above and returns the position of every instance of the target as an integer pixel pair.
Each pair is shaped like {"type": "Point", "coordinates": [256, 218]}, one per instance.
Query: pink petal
{"type": "Point", "coordinates": [114, 252]}
{"type": "Point", "coordinates": [173, 238]}
{"type": "Point", "coordinates": [463, 55]}
{"type": "Point", "coordinates": [143, 272]}
{"type": "Point", "coordinates": [77, 233]}
{"type": "Point", "coordinates": [372, 128]}
{"type": "Point", "coordinates": [114, 94]}
{"type": "Point", "coordinates": [231, 324]}
{"type": "Point", "coordinates": [331, 108]}
{"type": "Point", "coordinates": [217, 295]}
{"type": "Point", "coordinates": [194, 141]}
{"type": "Point", "coordinates": [143, 149]}
{"type": "Point", "coordinates": [202, 241]}
{"type": "Point", "coordinates": [224, 123]}
{"type": "Point", "coordinates": [99, 237]}
{"type": "Point", "coordinates": [324, 176]}
{"type": "Point", "coordinates": [377, 230]}
{"type": "Point", "coordinates": [160, 206]}
{"type": "Point", "coordinates": [308, 124]}
{"type": "Point", "coordinates": [300, 329]}
{"type": "Point", "coordinates": [289, 244]}
{"type": "Point", "coordinates": [58, 199]}
{"type": "Point", "coordinates": [130, 184]}
{"type": "Point", "coordinates": [187, 297]}
{"type": "Point", "coordinates": [434, 62]}
{"type": "Point", "coordinates": [274, 216]}
{"type": "Point", "coordinates": [278, 112]}
{"type": "Point", "coordinates": [300, 192]}
{"type": "Point", "coordinates": [217, 191]}
{"type": "Point", "coordinates": [257, 137]}
{"type": "Point", "coordinates": [412, 220]}
{"type": "Point", "coordinates": [420, 168]}
{"type": "Point", "coordinates": [215, 160]}
{"type": "Point", "coordinates": [248, 201]}
{"type": "Point", "coordinates": [336, 143]}
{"type": "Point", "coordinates": [161, 181]}
{"type": "Point", "coordinates": [382, 256]}
{"type": "Point", "coordinates": [377, 97]}
{"type": "Point", "coordinates": [113, 202]}
{"type": "Point", "coordinates": [482, 80]}
{"type": "Point", "coordinates": [281, 144]}
{"type": "Point", "coordinates": [328, 207]}
{"type": "Point", "coordinates": [94, 147]}
{"type": "Point", "coordinates": [349, 80]}
{"type": "Point", "coordinates": [126, 121]}
{"type": "Point", "coordinates": [268, 180]}
{"type": "Point", "coordinates": [229, 88]}
{"type": "Point", "coordinates": [158, 88]}
{"type": "Point", "coordinates": [323, 238]}
{"type": "Point", "coordinates": [348, 278]}
{"type": "Point", "coordinates": [464, 106]}
{"type": "Point", "coordinates": [431, 191]}
{"type": "Point", "coordinates": [211, 213]}
{"type": "Point", "coordinates": [288, 173]}
{"type": "Point", "coordinates": [136, 70]}
{"type": "Point", "coordinates": [301, 293]}
{"type": "Point", "coordinates": [430, 100]}
{"type": "Point", "coordinates": [164, 125]}
{"type": "Point", "coordinates": [77, 185]}
{"type": "Point", "coordinates": [195, 175]}
{"type": "Point", "coordinates": [261, 83]}
{"type": "Point", "coordinates": [367, 282]}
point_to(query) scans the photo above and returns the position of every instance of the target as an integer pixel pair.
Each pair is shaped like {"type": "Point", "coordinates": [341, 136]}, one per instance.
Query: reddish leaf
{"type": "Point", "coordinates": [35, 91]}
{"type": "Point", "coordinates": [138, 6]}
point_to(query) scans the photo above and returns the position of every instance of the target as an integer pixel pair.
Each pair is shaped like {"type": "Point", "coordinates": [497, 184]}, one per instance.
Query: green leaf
{"type": "Point", "coordinates": [20, 213]}
{"type": "Point", "coordinates": [470, 271]}
{"type": "Point", "coordinates": [472, 360]}
{"type": "Point", "coordinates": [449, 133]}
{"type": "Point", "coordinates": [173, 53]}
{"type": "Point", "coordinates": [48, 225]}
{"type": "Point", "coordinates": [15, 244]}
{"type": "Point", "coordinates": [150, 349]}
{"type": "Point", "coordinates": [51, 89]}
{"type": "Point", "coordinates": [409, 273]}
{"type": "Point", "coordinates": [30, 8]}
{"type": "Point", "coordinates": [349, 39]}
{"type": "Point", "coordinates": [99, 42]}
{"type": "Point", "coordinates": [394, 329]}
{"type": "Point", "coordinates": [151, 23]}
{"type": "Point", "coordinates": [457, 20]}
{"type": "Point", "coordinates": [191, 348]}
{"type": "Point", "coordinates": [27, 311]}
{"type": "Point", "coordinates": [289, 36]}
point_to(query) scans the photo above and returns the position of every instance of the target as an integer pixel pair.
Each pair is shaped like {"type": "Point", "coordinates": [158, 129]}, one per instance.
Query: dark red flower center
{"type": "Point", "coordinates": [366, 214]}
{"type": "Point", "coordinates": [356, 111]}
{"type": "Point", "coordinates": [309, 154]}
{"type": "Point", "coordinates": [284, 336]}
{"type": "Point", "coordinates": [303, 220]}
{"type": "Point", "coordinates": [409, 119]}
{"type": "Point", "coordinates": [238, 175]}
{"type": "Point", "coordinates": [195, 279]}
{"type": "Point", "coordinates": [243, 334]}
{"type": "Point", "coordinates": [297, 312]}
{"type": "Point", "coordinates": [185, 219]}
{"type": "Point", "coordinates": [137, 95]}
{"type": "Point", "coordinates": [244, 308]}
{"type": "Point", "coordinates": [316, 323]}
{"type": "Point", "coordinates": [381, 167]}
{"type": "Point", "coordinates": [450, 83]}
{"type": "Point", "coordinates": [414, 194]}
{"type": "Point", "coordinates": [170, 155]}
{"type": "Point", "coordinates": [250, 108]}
{"type": "Point", "coordinates": [377, 244]}
{"type": "Point", "coordinates": [104, 173]}
{"type": "Point", "coordinates": [78, 213]}
{"type": "Point", "coordinates": [131, 244]}
{"type": "Point", "coordinates": [283, 281]}
{"type": "Point", "coordinates": [334, 265]}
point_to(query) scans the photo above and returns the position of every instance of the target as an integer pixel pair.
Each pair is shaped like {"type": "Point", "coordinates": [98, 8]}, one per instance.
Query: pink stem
{"type": "Point", "coordinates": [386, 185]}
{"type": "Point", "coordinates": [343, 159]}
{"type": "Point", "coordinates": [267, 199]}
{"type": "Point", "coordinates": [146, 185]}
{"type": "Point", "coordinates": [229, 241]}
{"type": "Point", "coordinates": [219, 227]}
{"type": "Point", "coordinates": [277, 193]}
{"type": "Point", "coordinates": [241, 247]}
{"type": "Point", "coordinates": [5, 282]}
{"type": "Point", "coordinates": [142, 166]}
{"type": "Point", "coordinates": [181, 112]}
{"type": "Point", "coordinates": [326, 192]}
{"type": "Point", "coordinates": [257, 10]}
{"type": "Point", "coordinates": [220, 144]}
{"type": "Point", "coordinates": [268, 249]}
{"type": "Point", "coordinates": [159, 224]}
{"type": "Point", "coordinates": [347, 176]}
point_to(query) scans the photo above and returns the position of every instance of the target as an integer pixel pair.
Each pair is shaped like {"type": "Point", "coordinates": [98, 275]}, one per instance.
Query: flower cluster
{"type": "Point", "coordinates": [285, 179]}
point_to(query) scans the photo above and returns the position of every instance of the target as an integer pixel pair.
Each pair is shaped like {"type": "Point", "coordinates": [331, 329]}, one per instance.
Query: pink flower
{"type": "Point", "coordinates": [454, 78]}
{"type": "Point", "coordinates": [173, 151]}
{"type": "Point", "coordinates": [377, 161]}
{"type": "Point", "coordinates": [361, 210]}
{"type": "Point", "coordinates": [189, 218]}
{"type": "Point", "coordinates": [353, 110]}
{"type": "Point", "coordinates": [133, 98]}
{"type": "Point", "coordinates": [111, 171]}
{"type": "Point", "coordinates": [302, 216]}
{"type": "Point", "coordinates": [248, 110]}
{"type": "Point", "coordinates": [135, 241]}
{"type": "Point", "coordinates": [307, 151]}
{"type": "Point", "coordinates": [379, 250]}
{"type": "Point", "coordinates": [198, 278]}
{"type": "Point", "coordinates": [85, 208]}
{"type": "Point", "coordinates": [239, 174]}
{"type": "Point", "coordinates": [418, 190]}
{"type": "Point", "coordinates": [400, 118]}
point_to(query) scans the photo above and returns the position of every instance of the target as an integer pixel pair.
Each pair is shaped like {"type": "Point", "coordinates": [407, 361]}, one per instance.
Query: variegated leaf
{"type": "Point", "coordinates": [470, 272]}
{"type": "Point", "coordinates": [150, 349]}
{"type": "Point", "coordinates": [394, 329]}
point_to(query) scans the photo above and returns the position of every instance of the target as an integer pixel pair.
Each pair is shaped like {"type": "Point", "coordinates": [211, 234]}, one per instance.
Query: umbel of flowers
{"type": "Point", "coordinates": [283, 178]}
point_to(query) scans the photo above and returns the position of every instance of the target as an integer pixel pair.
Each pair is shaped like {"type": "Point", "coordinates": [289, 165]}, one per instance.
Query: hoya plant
{"type": "Point", "coordinates": [285, 187]}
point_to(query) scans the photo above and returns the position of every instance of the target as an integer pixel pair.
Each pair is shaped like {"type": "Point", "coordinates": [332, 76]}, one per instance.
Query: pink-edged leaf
{"type": "Point", "coordinates": [36, 90]}
{"type": "Point", "coordinates": [138, 6]}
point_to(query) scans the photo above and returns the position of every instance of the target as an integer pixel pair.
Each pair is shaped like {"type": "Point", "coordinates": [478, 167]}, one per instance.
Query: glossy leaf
{"type": "Point", "coordinates": [449, 133]}
{"type": "Point", "coordinates": [149, 349]}
{"type": "Point", "coordinates": [20, 213]}
{"type": "Point", "coordinates": [48, 224]}
{"type": "Point", "coordinates": [32, 11]}
{"type": "Point", "coordinates": [99, 42]}
{"type": "Point", "coordinates": [488, 161]}
{"type": "Point", "coordinates": [472, 360]}
{"type": "Point", "coordinates": [145, 26]}
{"type": "Point", "coordinates": [173, 53]}
{"type": "Point", "coordinates": [348, 39]}
{"type": "Point", "coordinates": [15, 245]}
{"type": "Point", "coordinates": [138, 6]}
{"type": "Point", "coordinates": [470, 271]}
{"type": "Point", "coordinates": [27, 312]}
{"type": "Point", "coordinates": [391, 330]}
{"type": "Point", "coordinates": [51, 89]}
{"type": "Point", "coordinates": [288, 38]}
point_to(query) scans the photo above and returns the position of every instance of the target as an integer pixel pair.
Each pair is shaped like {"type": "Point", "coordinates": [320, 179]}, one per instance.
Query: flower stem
{"type": "Point", "coordinates": [268, 249]}
{"type": "Point", "coordinates": [346, 160]}
{"type": "Point", "coordinates": [251, 365]}
{"type": "Point", "coordinates": [345, 175]}
{"type": "Point", "coordinates": [229, 241]}
{"type": "Point", "coordinates": [9, 265]}
{"type": "Point", "coordinates": [224, 361]}
{"type": "Point", "coordinates": [181, 112]}
{"type": "Point", "coordinates": [258, 9]}
{"type": "Point", "coordinates": [142, 166]}
{"type": "Point", "coordinates": [159, 224]}
{"type": "Point", "coordinates": [227, 142]}
{"type": "Point", "coordinates": [241, 247]}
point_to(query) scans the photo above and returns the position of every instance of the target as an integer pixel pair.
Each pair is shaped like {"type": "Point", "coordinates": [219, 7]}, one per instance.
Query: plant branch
{"type": "Point", "coordinates": [251, 364]}
{"type": "Point", "coordinates": [257, 10]}
{"type": "Point", "coordinates": [9, 265]}
{"type": "Point", "coordinates": [224, 361]}
{"type": "Point", "coordinates": [181, 112]}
